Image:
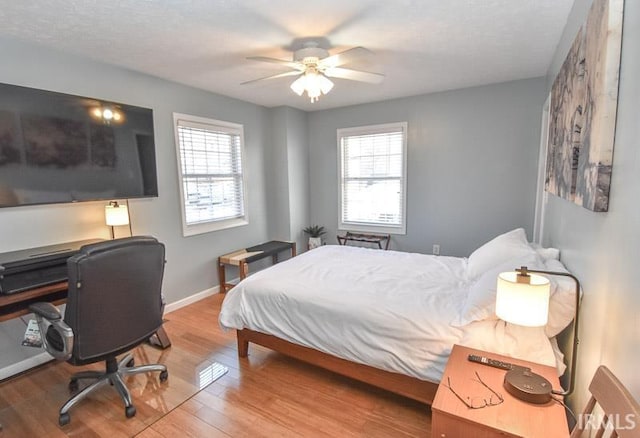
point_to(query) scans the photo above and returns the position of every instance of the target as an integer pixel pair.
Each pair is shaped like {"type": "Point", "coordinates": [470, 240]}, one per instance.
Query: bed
{"type": "Point", "coordinates": [391, 318]}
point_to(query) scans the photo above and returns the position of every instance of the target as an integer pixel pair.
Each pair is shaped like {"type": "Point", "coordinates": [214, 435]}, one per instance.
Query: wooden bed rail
{"type": "Point", "coordinates": [410, 387]}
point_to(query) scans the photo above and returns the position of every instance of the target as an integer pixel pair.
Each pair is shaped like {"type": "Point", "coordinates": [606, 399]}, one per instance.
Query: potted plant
{"type": "Point", "coordinates": [315, 233]}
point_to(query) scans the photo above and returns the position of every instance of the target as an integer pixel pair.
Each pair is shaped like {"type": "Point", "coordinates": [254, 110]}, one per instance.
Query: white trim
{"type": "Point", "coordinates": [172, 307]}
{"type": "Point", "coordinates": [541, 193]}
{"type": "Point", "coordinates": [206, 123]}
{"type": "Point", "coordinates": [364, 228]}
{"type": "Point", "coordinates": [364, 130]}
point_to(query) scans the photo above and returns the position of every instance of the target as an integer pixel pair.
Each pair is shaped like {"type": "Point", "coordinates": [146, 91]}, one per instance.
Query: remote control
{"type": "Point", "coordinates": [491, 362]}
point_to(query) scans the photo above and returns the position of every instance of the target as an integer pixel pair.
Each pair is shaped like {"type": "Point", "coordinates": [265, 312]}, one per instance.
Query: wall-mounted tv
{"type": "Point", "coordinates": [57, 148]}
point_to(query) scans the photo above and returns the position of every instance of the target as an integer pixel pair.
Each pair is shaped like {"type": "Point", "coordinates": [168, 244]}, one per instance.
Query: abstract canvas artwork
{"type": "Point", "coordinates": [582, 114]}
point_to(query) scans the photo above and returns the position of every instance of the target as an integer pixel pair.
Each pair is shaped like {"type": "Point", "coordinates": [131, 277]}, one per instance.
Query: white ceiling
{"type": "Point", "coordinates": [422, 46]}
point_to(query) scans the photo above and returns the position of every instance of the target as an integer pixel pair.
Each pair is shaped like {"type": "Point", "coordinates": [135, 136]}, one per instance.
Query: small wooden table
{"type": "Point", "coordinates": [366, 238]}
{"type": "Point", "coordinates": [243, 257]}
{"type": "Point", "coordinates": [513, 418]}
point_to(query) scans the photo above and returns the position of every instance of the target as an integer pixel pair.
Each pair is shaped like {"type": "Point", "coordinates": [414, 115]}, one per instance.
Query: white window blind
{"type": "Point", "coordinates": [211, 173]}
{"type": "Point", "coordinates": [373, 180]}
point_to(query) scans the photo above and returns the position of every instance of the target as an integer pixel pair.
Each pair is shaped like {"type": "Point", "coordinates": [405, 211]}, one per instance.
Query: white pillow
{"type": "Point", "coordinates": [480, 303]}
{"type": "Point", "coordinates": [507, 246]}
{"type": "Point", "coordinates": [562, 304]}
{"type": "Point", "coordinates": [546, 253]}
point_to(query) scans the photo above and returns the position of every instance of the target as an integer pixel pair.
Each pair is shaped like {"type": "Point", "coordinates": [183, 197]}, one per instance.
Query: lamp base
{"type": "Point", "coordinates": [527, 386]}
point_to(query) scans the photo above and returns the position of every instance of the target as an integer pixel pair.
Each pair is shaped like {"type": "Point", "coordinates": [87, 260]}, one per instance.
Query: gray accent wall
{"type": "Point", "coordinates": [287, 174]}
{"type": "Point", "coordinates": [191, 261]}
{"type": "Point", "coordinates": [601, 249]}
{"type": "Point", "coordinates": [472, 156]}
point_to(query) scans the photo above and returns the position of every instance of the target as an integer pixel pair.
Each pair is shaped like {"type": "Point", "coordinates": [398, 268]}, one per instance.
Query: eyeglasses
{"type": "Point", "coordinates": [478, 402]}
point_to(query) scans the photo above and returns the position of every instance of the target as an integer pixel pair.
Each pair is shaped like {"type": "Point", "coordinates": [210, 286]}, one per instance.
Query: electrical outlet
{"type": "Point", "coordinates": [436, 249]}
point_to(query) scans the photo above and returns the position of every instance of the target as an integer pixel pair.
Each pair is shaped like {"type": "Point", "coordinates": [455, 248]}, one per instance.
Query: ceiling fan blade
{"type": "Point", "coordinates": [344, 57]}
{"type": "Point", "coordinates": [297, 65]}
{"type": "Point", "coordinates": [280, 75]}
{"type": "Point", "coordinates": [354, 75]}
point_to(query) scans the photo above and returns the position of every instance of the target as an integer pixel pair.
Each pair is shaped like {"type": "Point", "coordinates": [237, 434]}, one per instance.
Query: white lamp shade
{"type": "Point", "coordinates": [116, 215]}
{"type": "Point", "coordinates": [325, 84]}
{"type": "Point", "coordinates": [298, 86]}
{"type": "Point", "coordinates": [314, 83]}
{"type": "Point", "coordinates": [520, 303]}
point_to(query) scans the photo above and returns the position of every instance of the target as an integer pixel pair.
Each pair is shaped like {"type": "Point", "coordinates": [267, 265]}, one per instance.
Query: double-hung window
{"type": "Point", "coordinates": [373, 181]}
{"type": "Point", "coordinates": [211, 174]}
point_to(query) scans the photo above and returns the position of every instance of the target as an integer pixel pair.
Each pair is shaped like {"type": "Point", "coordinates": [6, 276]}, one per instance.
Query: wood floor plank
{"type": "Point", "coordinates": [182, 424]}
{"type": "Point", "coordinates": [264, 395]}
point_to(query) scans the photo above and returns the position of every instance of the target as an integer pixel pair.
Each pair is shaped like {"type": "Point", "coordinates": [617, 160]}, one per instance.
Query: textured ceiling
{"type": "Point", "coordinates": [422, 46]}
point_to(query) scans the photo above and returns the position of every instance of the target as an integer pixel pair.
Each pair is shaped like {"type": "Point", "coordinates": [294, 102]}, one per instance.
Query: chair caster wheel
{"type": "Point", "coordinates": [131, 363]}
{"type": "Point", "coordinates": [64, 419]}
{"type": "Point", "coordinates": [164, 375]}
{"type": "Point", "coordinates": [130, 411]}
{"type": "Point", "coordinates": [73, 385]}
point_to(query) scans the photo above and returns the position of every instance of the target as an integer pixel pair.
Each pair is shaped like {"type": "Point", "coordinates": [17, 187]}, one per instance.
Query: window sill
{"type": "Point", "coordinates": [208, 227]}
{"type": "Point", "coordinates": [361, 228]}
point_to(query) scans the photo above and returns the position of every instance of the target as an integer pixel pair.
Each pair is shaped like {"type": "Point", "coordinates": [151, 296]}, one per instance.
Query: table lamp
{"type": "Point", "coordinates": [523, 299]}
{"type": "Point", "coordinates": [116, 215]}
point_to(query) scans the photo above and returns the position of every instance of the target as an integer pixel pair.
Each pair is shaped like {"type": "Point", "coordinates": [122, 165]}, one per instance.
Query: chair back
{"type": "Point", "coordinates": [620, 415]}
{"type": "Point", "coordinates": [115, 297]}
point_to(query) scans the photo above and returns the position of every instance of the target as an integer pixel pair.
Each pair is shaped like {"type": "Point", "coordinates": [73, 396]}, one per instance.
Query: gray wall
{"type": "Point", "coordinates": [287, 175]}
{"type": "Point", "coordinates": [191, 264]}
{"type": "Point", "coordinates": [472, 157]}
{"type": "Point", "coordinates": [601, 249]}
{"type": "Point", "coordinates": [276, 174]}
{"type": "Point", "coordinates": [298, 172]}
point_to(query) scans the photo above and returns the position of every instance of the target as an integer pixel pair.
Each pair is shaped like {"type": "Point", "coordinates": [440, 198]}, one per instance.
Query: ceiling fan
{"type": "Point", "coordinates": [315, 66]}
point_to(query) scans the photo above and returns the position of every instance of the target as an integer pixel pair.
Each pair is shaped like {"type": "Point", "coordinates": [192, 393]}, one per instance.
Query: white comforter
{"type": "Point", "coordinates": [391, 310]}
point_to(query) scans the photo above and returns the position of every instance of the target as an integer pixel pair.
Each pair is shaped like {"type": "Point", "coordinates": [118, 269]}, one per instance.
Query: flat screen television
{"type": "Point", "coordinates": [57, 148]}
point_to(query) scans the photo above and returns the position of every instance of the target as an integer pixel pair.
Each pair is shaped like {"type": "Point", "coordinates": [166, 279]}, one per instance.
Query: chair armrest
{"type": "Point", "coordinates": [46, 310]}
{"type": "Point", "coordinates": [49, 318]}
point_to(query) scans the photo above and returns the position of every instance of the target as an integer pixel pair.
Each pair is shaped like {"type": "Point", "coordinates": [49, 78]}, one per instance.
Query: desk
{"type": "Point", "coordinates": [15, 305]}
{"type": "Point", "coordinates": [513, 418]}
{"type": "Point", "coordinates": [241, 258]}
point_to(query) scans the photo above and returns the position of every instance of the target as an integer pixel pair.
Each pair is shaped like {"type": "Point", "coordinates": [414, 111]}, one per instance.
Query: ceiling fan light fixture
{"type": "Point", "coordinates": [299, 85]}
{"type": "Point", "coordinates": [325, 84]}
{"type": "Point", "coordinates": [314, 83]}
{"type": "Point", "coordinates": [315, 67]}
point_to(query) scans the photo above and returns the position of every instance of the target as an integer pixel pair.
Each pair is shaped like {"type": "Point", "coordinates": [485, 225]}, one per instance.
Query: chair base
{"type": "Point", "coordinates": [113, 375]}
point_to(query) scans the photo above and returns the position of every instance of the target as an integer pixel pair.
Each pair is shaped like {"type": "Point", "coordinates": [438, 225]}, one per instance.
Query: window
{"type": "Point", "coordinates": [373, 163]}
{"type": "Point", "coordinates": [211, 174]}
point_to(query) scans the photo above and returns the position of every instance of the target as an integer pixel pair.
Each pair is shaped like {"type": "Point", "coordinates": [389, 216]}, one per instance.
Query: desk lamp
{"type": "Point", "coordinates": [116, 215]}
{"type": "Point", "coordinates": [523, 299]}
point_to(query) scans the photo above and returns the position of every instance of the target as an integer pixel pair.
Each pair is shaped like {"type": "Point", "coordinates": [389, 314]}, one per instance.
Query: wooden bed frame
{"type": "Point", "coordinates": [407, 386]}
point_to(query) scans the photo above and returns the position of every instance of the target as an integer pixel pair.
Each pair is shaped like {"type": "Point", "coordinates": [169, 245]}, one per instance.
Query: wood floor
{"type": "Point", "coordinates": [266, 395]}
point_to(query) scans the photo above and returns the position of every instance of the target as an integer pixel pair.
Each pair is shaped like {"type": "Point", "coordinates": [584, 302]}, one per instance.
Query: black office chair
{"type": "Point", "coordinates": [114, 304]}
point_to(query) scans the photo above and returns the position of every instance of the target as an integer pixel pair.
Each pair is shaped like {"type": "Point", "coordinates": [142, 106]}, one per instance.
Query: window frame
{"type": "Point", "coordinates": [371, 130]}
{"type": "Point", "coordinates": [227, 127]}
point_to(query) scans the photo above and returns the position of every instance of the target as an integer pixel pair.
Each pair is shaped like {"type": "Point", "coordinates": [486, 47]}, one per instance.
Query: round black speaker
{"type": "Point", "coordinates": [527, 386]}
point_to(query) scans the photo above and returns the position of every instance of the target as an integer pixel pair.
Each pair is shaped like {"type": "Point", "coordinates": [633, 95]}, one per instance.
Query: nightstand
{"type": "Point", "coordinates": [513, 418]}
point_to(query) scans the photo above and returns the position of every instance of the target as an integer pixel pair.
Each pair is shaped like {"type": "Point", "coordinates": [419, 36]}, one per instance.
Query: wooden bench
{"type": "Point", "coordinates": [241, 258]}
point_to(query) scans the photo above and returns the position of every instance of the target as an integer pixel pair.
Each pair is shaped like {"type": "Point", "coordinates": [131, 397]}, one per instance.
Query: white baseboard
{"type": "Point", "coordinates": [171, 307]}
{"type": "Point", "coordinates": [195, 297]}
